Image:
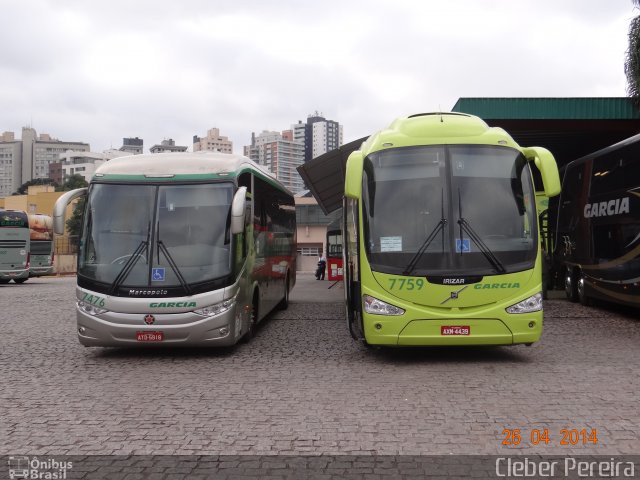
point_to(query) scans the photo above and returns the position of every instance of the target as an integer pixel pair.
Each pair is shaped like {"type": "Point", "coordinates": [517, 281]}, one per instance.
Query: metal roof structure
{"type": "Point", "coordinates": [570, 127]}
{"type": "Point", "coordinates": [324, 175]}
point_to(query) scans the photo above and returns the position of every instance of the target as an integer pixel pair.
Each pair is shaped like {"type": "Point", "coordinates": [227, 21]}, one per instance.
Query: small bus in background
{"type": "Point", "coordinates": [41, 248]}
{"type": "Point", "coordinates": [181, 249]}
{"type": "Point", "coordinates": [14, 246]}
{"type": "Point", "coordinates": [334, 251]}
{"type": "Point", "coordinates": [597, 239]}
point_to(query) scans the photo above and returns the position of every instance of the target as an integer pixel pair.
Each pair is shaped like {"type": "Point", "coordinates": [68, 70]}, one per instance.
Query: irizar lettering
{"type": "Point", "coordinates": [616, 206]}
{"type": "Point", "coordinates": [453, 281]}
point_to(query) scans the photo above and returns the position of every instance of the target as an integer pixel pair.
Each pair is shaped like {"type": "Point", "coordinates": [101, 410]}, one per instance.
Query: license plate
{"type": "Point", "coordinates": [455, 330]}
{"type": "Point", "coordinates": [149, 336]}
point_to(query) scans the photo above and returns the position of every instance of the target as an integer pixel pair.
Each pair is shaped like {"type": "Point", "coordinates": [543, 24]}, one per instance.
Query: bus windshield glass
{"type": "Point", "coordinates": [156, 235]}
{"type": "Point", "coordinates": [449, 210]}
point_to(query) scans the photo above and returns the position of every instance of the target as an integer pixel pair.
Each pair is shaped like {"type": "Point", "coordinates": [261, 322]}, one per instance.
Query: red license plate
{"type": "Point", "coordinates": [149, 336]}
{"type": "Point", "coordinates": [455, 330]}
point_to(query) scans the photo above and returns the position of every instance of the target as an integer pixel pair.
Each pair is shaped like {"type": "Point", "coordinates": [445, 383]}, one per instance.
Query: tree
{"type": "Point", "coordinates": [73, 182]}
{"type": "Point", "coordinates": [74, 223]}
{"type": "Point", "coordinates": [632, 60]}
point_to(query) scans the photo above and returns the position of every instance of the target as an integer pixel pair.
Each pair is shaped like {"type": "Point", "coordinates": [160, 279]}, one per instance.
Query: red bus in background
{"type": "Point", "coordinates": [334, 250]}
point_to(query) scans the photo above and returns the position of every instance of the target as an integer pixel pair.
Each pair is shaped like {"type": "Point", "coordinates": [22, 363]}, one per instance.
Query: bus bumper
{"type": "Point", "coordinates": [41, 271]}
{"type": "Point", "coordinates": [12, 274]}
{"type": "Point", "coordinates": [518, 329]}
{"type": "Point", "coordinates": [186, 329]}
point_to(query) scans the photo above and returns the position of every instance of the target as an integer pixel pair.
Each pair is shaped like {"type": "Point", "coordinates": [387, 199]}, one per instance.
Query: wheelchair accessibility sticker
{"type": "Point", "coordinates": [157, 274]}
{"type": "Point", "coordinates": [463, 246]}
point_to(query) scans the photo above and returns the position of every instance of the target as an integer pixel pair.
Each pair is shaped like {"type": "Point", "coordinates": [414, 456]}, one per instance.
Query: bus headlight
{"type": "Point", "coordinates": [378, 307]}
{"type": "Point", "coordinates": [216, 308]}
{"type": "Point", "coordinates": [531, 304]}
{"type": "Point", "coordinates": [90, 309]}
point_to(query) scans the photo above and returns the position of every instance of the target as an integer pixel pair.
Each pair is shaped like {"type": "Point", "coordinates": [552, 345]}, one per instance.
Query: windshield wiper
{"type": "Point", "coordinates": [131, 262]}
{"type": "Point", "coordinates": [174, 267]}
{"type": "Point", "coordinates": [464, 226]}
{"type": "Point", "coordinates": [423, 248]}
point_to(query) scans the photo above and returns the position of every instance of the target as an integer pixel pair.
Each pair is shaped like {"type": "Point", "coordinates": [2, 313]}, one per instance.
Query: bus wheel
{"type": "Point", "coordinates": [4, 281]}
{"type": "Point", "coordinates": [20, 280]}
{"type": "Point", "coordinates": [582, 294]}
{"type": "Point", "coordinates": [284, 303]}
{"type": "Point", "coordinates": [253, 319]}
{"type": "Point", "coordinates": [570, 287]}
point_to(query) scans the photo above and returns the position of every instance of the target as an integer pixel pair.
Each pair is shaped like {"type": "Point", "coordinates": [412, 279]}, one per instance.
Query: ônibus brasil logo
{"type": "Point", "coordinates": [40, 468]}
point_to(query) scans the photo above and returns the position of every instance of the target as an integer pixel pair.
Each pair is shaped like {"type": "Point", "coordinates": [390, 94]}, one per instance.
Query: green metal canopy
{"type": "Point", "coordinates": [551, 108]}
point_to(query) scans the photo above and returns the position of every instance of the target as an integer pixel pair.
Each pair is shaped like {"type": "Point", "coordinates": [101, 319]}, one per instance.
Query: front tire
{"type": "Point", "coordinates": [581, 290]}
{"type": "Point", "coordinates": [20, 280]}
{"type": "Point", "coordinates": [253, 319]}
{"type": "Point", "coordinates": [284, 303]}
{"type": "Point", "coordinates": [570, 287]}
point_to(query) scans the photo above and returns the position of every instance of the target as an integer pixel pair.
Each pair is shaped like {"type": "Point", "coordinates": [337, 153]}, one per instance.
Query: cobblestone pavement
{"type": "Point", "coordinates": [303, 387]}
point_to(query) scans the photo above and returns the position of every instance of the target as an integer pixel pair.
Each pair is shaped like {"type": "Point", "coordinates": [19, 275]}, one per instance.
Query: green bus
{"type": "Point", "coordinates": [441, 234]}
{"type": "Point", "coordinates": [14, 246]}
{"type": "Point", "coordinates": [181, 249]}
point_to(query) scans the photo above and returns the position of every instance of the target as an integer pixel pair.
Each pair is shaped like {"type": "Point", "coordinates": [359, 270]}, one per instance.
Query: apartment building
{"type": "Point", "coordinates": [213, 142]}
{"type": "Point", "coordinates": [279, 153]}
{"type": "Point", "coordinates": [29, 158]}
{"type": "Point", "coordinates": [167, 145]}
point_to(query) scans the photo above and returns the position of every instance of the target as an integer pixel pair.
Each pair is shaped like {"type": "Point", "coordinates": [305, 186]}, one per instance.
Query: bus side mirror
{"type": "Point", "coordinates": [353, 175]}
{"type": "Point", "coordinates": [237, 210]}
{"type": "Point", "coordinates": [60, 208]}
{"type": "Point", "coordinates": [548, 168]}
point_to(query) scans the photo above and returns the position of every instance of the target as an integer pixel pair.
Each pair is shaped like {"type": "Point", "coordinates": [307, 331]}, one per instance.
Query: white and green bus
{"type": "Point", "coordinates": [188, 249]}
{"type": "Point", "coordinates": [441, 234]}
{"type": "Point", "coordinates": [14, 246]}
{"type": "Point", "coordinates": [41, 245]}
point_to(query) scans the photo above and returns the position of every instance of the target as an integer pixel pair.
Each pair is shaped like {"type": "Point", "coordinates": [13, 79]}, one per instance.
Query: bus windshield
{"type": "Point", "coordinates": [156, 235]}
{"type": "Point", "coordinates": [449, 210]}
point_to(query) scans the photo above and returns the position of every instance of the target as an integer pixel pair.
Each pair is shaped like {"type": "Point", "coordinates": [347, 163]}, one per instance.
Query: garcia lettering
{"type": "Point", "coordinates": [617, 206]}
{"type": "Point", "coordinates": [482, 286]}
{"type": "Point", "coordinates": [172, 304]}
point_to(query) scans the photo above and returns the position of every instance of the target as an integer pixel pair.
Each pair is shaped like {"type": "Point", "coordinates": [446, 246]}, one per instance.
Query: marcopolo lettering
{"type": "Point", "coordinates": [482, 286]}
{"type": "Point", "coordinates": [616, 206]}
{"type": "Point", "coordinates": [172, 304]}
{"type": "Point", "coordinates": [140, 293]}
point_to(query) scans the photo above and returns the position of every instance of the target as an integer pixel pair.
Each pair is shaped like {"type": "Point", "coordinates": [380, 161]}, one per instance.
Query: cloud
{"type": "Point", "coordinates": [100, 71]}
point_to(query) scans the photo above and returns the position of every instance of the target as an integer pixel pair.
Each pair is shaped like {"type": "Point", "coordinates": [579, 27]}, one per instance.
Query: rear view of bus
{"type": "Point", "coordinates": [14, 246]}
{"type": "Point", "coordinates": [41, 250]}
{"type": "Point", "coordinates": [441, 234]}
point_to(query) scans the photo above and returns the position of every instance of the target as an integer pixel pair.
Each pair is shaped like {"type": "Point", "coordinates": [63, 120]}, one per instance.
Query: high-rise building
{"type": "Point", "coordinates": [133, 146]}
{"type": "Point", "coordinates": [280, 154]}
{"type": "Point", "coordinates": [213, 141]}
{"type": "Point", "coordinates": [319, 135]}
{"type": "Point", "coordinates": [29, 158]}
{"type": "Point", "coordinates": [167, 145]}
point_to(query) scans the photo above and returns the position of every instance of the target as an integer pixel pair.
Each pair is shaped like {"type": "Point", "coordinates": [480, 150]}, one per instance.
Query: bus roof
{"type": "Point", "coordinates": [184, 165]}
{"type": "Point", "coordinates": [437, 128]}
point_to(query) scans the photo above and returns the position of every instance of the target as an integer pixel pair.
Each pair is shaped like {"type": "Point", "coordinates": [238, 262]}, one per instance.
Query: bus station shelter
{"type": "Point", "coordinates": [570, 127]}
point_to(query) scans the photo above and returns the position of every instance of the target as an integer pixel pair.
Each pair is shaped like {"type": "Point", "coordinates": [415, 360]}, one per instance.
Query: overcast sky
{"type": "Point", "coordinates": [96, 71]}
